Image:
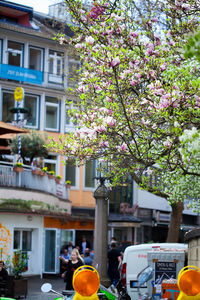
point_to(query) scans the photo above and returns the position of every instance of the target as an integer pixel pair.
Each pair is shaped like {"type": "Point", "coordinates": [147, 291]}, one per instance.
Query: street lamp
{"type": "Point", "coordinates": [101, 229]}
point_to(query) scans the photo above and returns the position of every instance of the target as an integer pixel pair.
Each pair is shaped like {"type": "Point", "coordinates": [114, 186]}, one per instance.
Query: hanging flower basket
{"type": "Point", "coordinates": [58, 179]}
{"type": "Point", "coordinates": [42, 173]}
{"type": "Point", "coordinates": [18, 169]}
{"type": "Point", "coordinates": [36, 172]}
{"type": "Point", "coordinates": [68, 184]}
{"type": "Point", "coordinates": [51, 174]}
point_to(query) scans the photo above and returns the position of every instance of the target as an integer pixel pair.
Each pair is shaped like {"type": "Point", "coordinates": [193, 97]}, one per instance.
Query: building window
{"type": "Point", "coordinates": [70, 173]}
{"type": "Point", "coordinates": [15, 52]}
{"type": "Point", "coordinates": [73, 67]}
{"type": "Point", "coordinates": [32, 104]}
{"type": "Point", "coordinates": [90, 167]}
{"type": "Point", "coordinates": [52, 114]}
{"type": "Point", "coordinates": [51, 163]}
{"type": "Point", "coordinates": [8, 102]}
{"type": "Point", "coordinates": [35, 58]}
{"type": "Point", "coordinates": [55, 67]}
{"type": "Point", "coordinates": [22, 239]}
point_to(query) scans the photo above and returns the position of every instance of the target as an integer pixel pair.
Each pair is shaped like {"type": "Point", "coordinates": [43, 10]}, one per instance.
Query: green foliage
{"type": "Point", "coordinates": [32, 146]}
{"type": "Point", "coordinates": [138, 95]}
{"type": "Point", "coordinates": [68, 182]}
{"type": "Point", "coordinates": [19, 263]}
{"type": "Point", "coordinates": [44, 169]}
{"type": "Point", "coordinates": [192, 47]}
{"type": "Point", "coordinates": [51, 172]}
{"type": "Point", "coordinates": [18, 164]}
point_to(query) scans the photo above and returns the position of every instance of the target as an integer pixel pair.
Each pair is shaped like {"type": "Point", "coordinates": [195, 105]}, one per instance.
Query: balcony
{"type": "Point", "coordinates": [27, 181]}
{"type": "Point", "coordinates": [21, 74]}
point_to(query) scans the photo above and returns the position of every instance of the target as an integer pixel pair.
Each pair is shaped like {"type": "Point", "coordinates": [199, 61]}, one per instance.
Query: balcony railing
{"type": "Point", "coordinates": [27, 180]}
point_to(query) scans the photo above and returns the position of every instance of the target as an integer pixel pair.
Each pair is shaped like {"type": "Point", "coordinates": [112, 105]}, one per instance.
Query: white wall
{"type": "Point", "coordinates": [19, 221]}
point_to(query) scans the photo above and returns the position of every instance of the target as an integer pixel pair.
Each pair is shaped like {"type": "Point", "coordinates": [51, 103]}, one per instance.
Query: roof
{"type": "Point", "coordinates": [39, 24]}
{"type": "Point", "coordinates": [7, 128]}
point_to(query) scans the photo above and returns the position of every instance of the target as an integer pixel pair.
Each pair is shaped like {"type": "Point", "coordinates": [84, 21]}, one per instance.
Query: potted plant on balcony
{"type": "Point", "coordinates": [18, 285]}
{"type": "Point", "coordinates": [18, 167]}
{"type": "Point", "coordinates": [51, 174]}
{"type": "Point", "coordinates": [43, 172]}
{"type": "Point", "coordinates": [58, 179]}
{"type": "Point", "coordinates": [68, 184]}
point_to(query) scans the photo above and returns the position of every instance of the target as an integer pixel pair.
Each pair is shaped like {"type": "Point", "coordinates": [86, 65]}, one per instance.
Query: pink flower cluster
{"type": "Point", "coordinates": [96, 11]}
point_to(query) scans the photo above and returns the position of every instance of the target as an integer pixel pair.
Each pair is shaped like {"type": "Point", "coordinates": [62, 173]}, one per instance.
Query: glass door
{"type": "Point", "coordinates": [51, 251]}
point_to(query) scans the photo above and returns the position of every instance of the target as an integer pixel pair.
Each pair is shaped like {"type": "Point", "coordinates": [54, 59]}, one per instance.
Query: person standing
{"type": "Point", "coordinates": [70, 247]}
{"type": "Point", "coordinates": [84, 244]}
{"type": "Point", "coordinates": [87, 258]}
{"type": "Point", "coordinates": [64, 257]}
{"type": "Point", "coordinates": [3, 279]}
{"type": "Point", "coordinates": [73, 263]}
{"type": "Point", "coordinates": [114, 258]}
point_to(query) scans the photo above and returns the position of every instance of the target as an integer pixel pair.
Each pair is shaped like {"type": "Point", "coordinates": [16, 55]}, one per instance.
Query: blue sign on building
{"type": "Point", "coordinates": [21, 74]}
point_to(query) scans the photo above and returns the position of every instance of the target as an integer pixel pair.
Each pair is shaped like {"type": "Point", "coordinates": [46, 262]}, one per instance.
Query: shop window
{"type": "Point", "coordinates": [15, 52]}
{"type": "Point", "coordinates": [8, 102]}
{"type": "Point", "coordinates": [55, 67]}
{"type": "Point", "coordinates": [70, 173]}
{"type": "Point", "coordinates": [90, 167]}
{"type": "Point", "coordinates": [22, 240]}
{"type": "Point", "coordinates": [52, 114]}
{"type": "Point", "coordinates": [32, 104]}
{"type": "Point", "coordinates": [35, 59]}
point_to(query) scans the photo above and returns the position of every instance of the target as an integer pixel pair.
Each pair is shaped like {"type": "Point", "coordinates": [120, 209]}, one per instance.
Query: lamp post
{"type": "Point", "coordinates": [101, 230]}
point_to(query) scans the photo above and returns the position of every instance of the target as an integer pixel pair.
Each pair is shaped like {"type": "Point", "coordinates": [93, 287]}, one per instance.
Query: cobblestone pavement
{"type": "Point", "coordinates": [34, 288]}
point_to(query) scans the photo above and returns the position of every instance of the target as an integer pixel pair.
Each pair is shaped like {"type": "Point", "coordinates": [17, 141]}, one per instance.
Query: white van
{"type": "Point", "coordinates": [135, 260]}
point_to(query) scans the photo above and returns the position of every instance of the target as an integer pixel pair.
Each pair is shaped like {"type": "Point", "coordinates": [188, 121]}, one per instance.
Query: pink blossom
{"type": "Point", "coordinates": [124, 147]}
{"type": "Point", "coordinates": [186, 6]}
{"type": "Point", "coordinates": [89, 40]}
{"type": "Point", "coordinates": [133, 82]}
{"type": "Point", "coordinates": [163, 67]}
{"type": "Point", "coordinates": [167, 143]}
{"type": "Point", "coordinates": [102, 128]}
{"type": "Point", "coordinates": [110, 121]}
{"type": "Point", "coordinates": [105, 144]}
{"type": "Point", "coordinates": [154, 19]}
{"type": "Point", "coordinates": [115, 62]}
{"type": "Point", "coordinates": [133, 33]}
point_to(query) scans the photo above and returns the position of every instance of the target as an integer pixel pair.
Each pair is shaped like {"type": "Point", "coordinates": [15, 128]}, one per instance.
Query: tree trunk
{"type": "Point", "coordinates": [175, 222]}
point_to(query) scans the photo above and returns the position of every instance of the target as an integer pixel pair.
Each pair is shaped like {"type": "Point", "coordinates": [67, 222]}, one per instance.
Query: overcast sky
{"type": "Point", "coordinates": [38, 5]}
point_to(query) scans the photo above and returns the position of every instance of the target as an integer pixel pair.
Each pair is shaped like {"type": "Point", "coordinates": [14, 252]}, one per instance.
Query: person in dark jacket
{"type": "Point", "coordinates": [3, 279]}
{"type": "Point", "coordinates": [84, 244]}
{"type": "Point", "coordinates": [114, 258]}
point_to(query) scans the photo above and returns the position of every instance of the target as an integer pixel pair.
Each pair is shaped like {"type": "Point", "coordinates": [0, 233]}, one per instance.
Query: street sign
{"type": "Point", "coordinates": [19, 94]}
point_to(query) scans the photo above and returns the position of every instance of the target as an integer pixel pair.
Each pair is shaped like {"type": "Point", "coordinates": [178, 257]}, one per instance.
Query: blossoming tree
{"type": "Point", "coordinates": [137, 95]}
